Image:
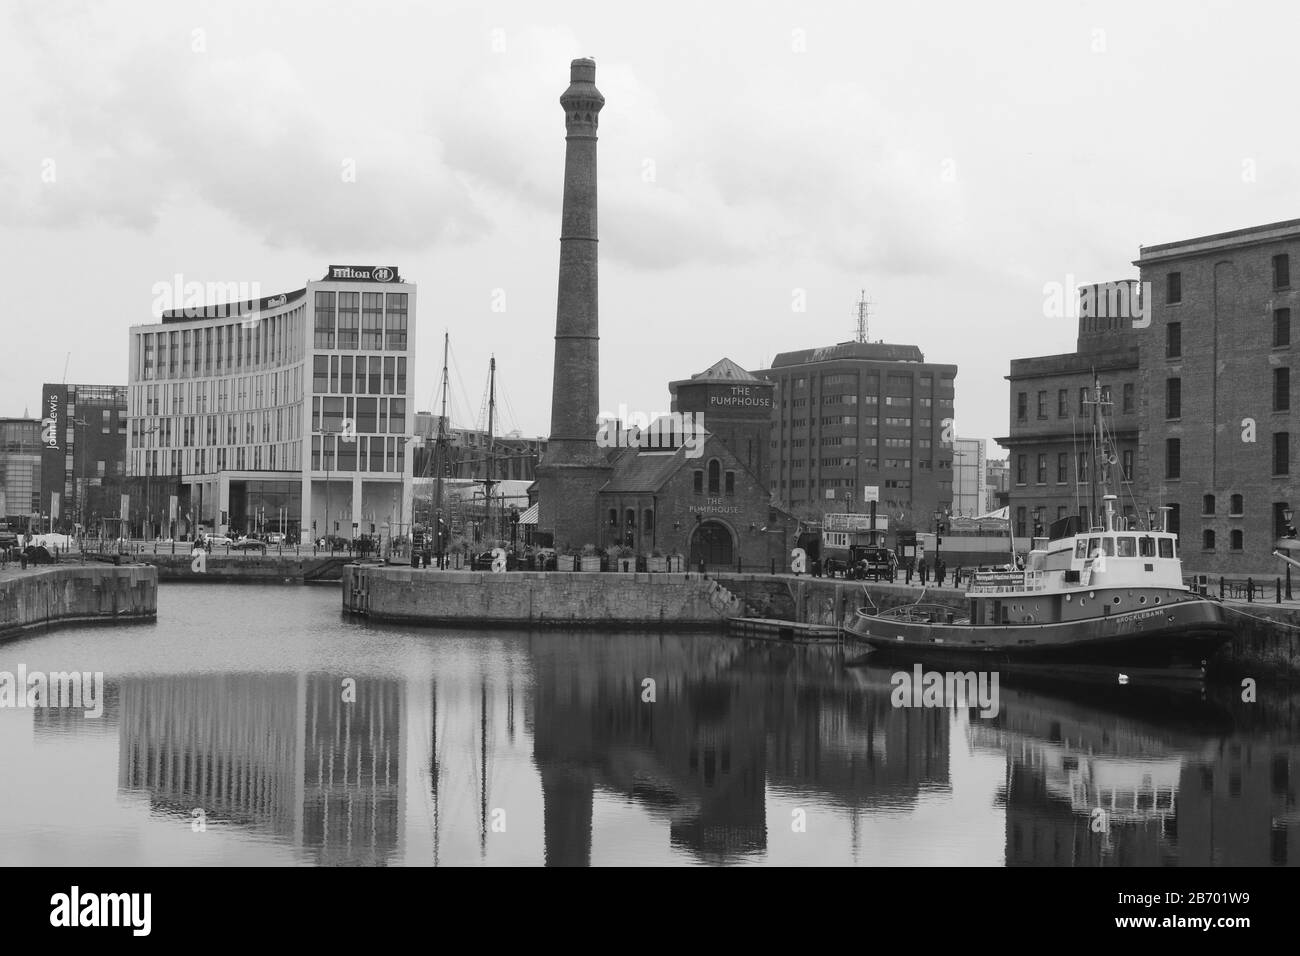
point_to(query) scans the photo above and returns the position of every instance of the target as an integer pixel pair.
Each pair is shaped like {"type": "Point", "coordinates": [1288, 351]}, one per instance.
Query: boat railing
{"type": "Point", "coordinates": [918, 614]}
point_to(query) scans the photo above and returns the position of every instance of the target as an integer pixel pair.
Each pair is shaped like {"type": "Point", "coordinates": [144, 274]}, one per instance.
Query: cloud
{"type": "Point", "coordinates": [165, 126]}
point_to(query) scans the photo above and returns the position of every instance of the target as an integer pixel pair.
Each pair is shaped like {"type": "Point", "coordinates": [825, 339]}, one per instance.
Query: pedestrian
{"type": "Point", "coordinates": [907, 568]}
{"type": "Point", "coordinates": [922, 569]}
{"type": "Point", "coordinates": [940, 570]}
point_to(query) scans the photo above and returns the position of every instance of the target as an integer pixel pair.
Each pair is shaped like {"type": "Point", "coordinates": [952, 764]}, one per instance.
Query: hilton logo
{"type": "Point", "coordinates": [364, 273]}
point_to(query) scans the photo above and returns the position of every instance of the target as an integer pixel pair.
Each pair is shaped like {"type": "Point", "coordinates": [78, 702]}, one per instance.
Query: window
{"type": "Point", "coordinates": [715, 477]}
{"type": "Point", "coordinates": [1207, 540]}
{"type": "Point", "coordinates": [1128, 396]}
{"type": "Point", "coordinates": [1063, 403]}
{"type": "Point", "coordinates": [1021, 465]}
{"type": "Point", "coordinates": [395, 322]}
{"type": "Point", "coordinates": [1281, 271]}
{"type": "Point", "coordinates": [1207, 505]}
{"type": "Point", "coordinates": [1020, 522]}
{"type": "Point", "coordinates": [1042, 404]}
{"type": "Point", "coordinates": [1022, 407]}
{"type": "Point", "coordinates": [1082, 474]}
{"type": "Point", "coordinates": [699, 482]}
{"type": "Point", "coordinates": [349, 321]}
{"type": "Point", "coordinates": [372, 320]}
{"type": "Point", "coordinates": [1174, 340]}
{"type": "Point", "coordinates": [1173, 288]}
{"type": "Point", "coordinates": [1083, 400]}
{"type": "Point", "coordinates": [1282, 453]}
{"type": "Point", "coordinates": [1236, 539]}
{"type": "Point", "coordinates": [1281, 389]}
{"type": "Point", "coordinates": [1127, 465]}
{"type": "Point", "coordinates": [1062, 468]}
{"type": "Point", "coordinates": [324, 320]}
{"type": "Point", "coordinates": [1042, 469]}
{"type": "Point", "coordinates": [729, 485]}
{"type": "Point", "coordinates": [320, 373]}
{"type": "Point", "coordinates": [1281, 328]}
{"type": "Point", "coordinates": [1175, 526]}
{"type": "Point", "coordinates": [1173, 458]}
{"type": "Point", "coordinates": [1236, 506]}
{"type": "Point", "coordinates": [1174, 398]}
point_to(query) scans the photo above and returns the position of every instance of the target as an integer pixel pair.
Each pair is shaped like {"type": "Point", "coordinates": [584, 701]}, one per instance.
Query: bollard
{"type": "Point", "coordinates": [1220, 588]}
{"type": "Point", "coordinates": [774, 565]}
{"type": "Point", "coordinates": [1277, 590]}
{"type": "Point", "coordinates": [1250, 590]}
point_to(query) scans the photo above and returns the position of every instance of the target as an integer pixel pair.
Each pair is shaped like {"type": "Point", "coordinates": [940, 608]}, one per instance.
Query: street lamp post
{"type": "Point", "coordinates": [938, 536]}
{"type": "Point", "coordinates": [1287, 515]}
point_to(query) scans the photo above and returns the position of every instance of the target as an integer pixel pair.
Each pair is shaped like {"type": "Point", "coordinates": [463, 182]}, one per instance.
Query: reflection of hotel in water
{"type": "Point", "coordinates": [281, 753]}
{"type": "Point", "coordinates": [1170, 797]}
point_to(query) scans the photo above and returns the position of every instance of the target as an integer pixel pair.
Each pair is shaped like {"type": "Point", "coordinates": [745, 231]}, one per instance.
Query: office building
{"type": "Point", "coordinates": [289, 412]}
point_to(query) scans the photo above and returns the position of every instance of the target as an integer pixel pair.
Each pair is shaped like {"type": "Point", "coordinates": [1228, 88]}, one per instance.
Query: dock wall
{"type": "Point", "coordinates": [577, 599]}
{"type": "Point", "coordinates": [77, 594]}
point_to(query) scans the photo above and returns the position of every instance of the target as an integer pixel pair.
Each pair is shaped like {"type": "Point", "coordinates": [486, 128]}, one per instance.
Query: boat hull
{"type": "Point", "coordinates": [1174, 640]}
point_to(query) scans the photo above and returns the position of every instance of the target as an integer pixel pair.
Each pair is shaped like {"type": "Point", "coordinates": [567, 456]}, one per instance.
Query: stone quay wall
{"type": "Point", "coordinates": [538, 599]}
{"type": "Point", "coordinates": [76, 594]}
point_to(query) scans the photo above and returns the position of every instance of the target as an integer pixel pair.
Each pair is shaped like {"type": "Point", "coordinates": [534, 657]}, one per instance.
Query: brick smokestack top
{"type": "Point", "coordinates": [575, 467]}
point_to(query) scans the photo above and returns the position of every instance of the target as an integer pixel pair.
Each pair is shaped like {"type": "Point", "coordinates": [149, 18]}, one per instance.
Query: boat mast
{"type": "Point", "coordinates": [440, 447]}
{"type": "Point", "coordinates": [491, 451]}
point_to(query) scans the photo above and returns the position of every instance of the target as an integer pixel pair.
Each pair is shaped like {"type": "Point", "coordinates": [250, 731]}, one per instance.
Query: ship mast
{"type": "Point", "coordinates": [1103, 458]}
{"type": "Point", "coordinates": [440, 449]}
{"type": "Point", "coordinates": [491, 450]}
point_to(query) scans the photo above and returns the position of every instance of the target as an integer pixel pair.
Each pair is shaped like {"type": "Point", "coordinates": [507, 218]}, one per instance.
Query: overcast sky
{"type": "Point", "coordinates": [952, 159]}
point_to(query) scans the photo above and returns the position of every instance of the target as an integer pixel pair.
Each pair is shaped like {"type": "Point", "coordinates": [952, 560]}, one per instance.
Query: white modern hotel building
{"type": "Point", "coordinates": [290, 412]}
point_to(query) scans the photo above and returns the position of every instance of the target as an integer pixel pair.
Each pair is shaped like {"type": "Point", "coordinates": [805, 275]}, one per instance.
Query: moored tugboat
{"type": "Point", "coordinates": [1105, 604]}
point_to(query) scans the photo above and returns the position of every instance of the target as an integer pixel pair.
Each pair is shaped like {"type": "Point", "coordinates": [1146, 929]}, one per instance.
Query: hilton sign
{"type": "Point", "coordinates": [363, 274]}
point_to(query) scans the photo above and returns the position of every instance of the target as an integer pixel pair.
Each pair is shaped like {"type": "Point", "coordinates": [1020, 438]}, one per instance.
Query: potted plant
{"type": "Point", "coordinates": [656, 562]}
{"type": "Point", "coordinates": [624, 560]}
{"type": "Point", "coordinates": [568, 561]}
{"type": "Point", "coordinates": [591, 558]}
{"type": "Point", "coordinates": [457, 554]}
{"type": "Point", "coordinates": [676, 562]}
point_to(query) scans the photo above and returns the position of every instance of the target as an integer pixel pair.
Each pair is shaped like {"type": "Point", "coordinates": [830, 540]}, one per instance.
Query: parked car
{"type": "Point", "coordinates": [275, 537]}
{"type": "Point", "coordinates": [250, 544]}
{"type": "Point", "coordinates": [218, 539]}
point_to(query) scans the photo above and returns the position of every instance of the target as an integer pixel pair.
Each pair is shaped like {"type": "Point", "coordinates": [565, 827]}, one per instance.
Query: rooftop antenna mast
{"type": "Point", "coordinates": [864, 305]}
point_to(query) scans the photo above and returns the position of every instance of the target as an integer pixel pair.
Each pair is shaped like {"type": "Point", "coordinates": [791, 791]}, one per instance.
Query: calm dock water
{"type": "Point", "coordinates": [255, 725]}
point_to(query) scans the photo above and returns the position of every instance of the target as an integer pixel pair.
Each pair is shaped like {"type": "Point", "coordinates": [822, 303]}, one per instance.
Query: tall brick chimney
{"type": "Point", "coordinates": [575, 468]}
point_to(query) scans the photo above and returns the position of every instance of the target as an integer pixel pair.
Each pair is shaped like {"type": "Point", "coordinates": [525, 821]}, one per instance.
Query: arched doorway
{"type": "Point", "coordinates": [712, 542]}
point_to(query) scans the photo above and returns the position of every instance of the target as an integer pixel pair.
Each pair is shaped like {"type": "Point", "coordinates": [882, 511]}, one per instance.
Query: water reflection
{"type": "Point", "coordinates": [415, 747]}
{"type": "Point", "coordinates": [284, 754]}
